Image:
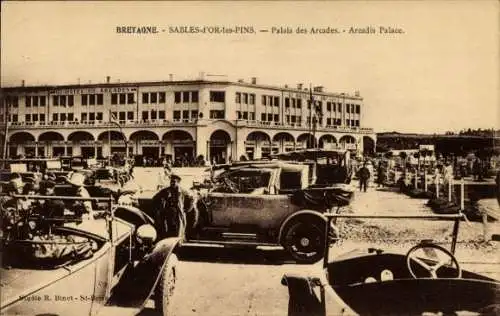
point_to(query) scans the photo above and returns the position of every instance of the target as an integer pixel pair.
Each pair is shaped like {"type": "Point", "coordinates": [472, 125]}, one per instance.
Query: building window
{"type": "Point", "coordinates": [194, 114]}
{"type": "Point", "coordinates": [43, 100]}
{"type": "Point", "coordinates": [161, 115]}
{"type": "Point", "coordinates": [251, 116]}
{"type": "Point", "coordinates": [299, 103]}
{"type": "Point", "coordinates": [177, 97]}
{"type": "Point", "coordinates": [276, 101]}
{"type": "Point", "coordinates": [264, 100]}
{"type": "Point", "coordinates": [91, 99]}
{"type": "Point", "coordinates": [263, 117]}
{"type": "Point", "coordinates": [153, 115]}
{"type": "Point", "coordinates": [55, 117]}
{"type": "Point", "coordinates": [70, 117]}
{"type": "Point", "coordinates": [328, 106]}
{"type": "Point", "coordinates": [185, 115]}
{"type": "Point", "coordinates": [100, 99]}
{"type": "Point", "coordinates": [14, 118]}
{"type": "Point", "coordinates": [130, 115]}
{"type": "Point", "coordinates": [35, 101]}
{"type": "Point", "coordinates": [328, 121]}
{"type": "Point", "coordinates": [84, 117]}
{"type": "Point", "coordinates": [27, 101]}
{"type": "Point", "coordinates": [238, 97]}
{"type": "Point", "coordinates": [145, 98]}
{"type": "Point", "coordinates": [91, 116]}
{"type": "Point", "coordinates": [245, 115]}
{"type": "Point", "coordinates": [269, 117]}
{"type": "Point", "coordinates": [194, 96]}
{"type": "Point", "coordinates": [358, 108]}
{"type": "Point", "coordinates": [130, 98]}
{"type": "Point", "coordinates": [153, 97]}
{"type": "Point", "coordinates": [276, 118]}
{"type": "Point", "coordinates": [121, 116]}
{"type": "Point", "coordinates": [245, 98]}
{"type": "Point", "coordinates": [62, 100]}
{"type": "Point", "coordinates": [339, 107]}
{"type": "Point", "coordinates": [71, 100]}
{"type": "Point", "coordinates": [238, 114]}
{"type": "Point", "coordinates": [145, 115]}
{"type": "Point", "coordinates": [177, 115]}
{"type": "Point", "coordinates": [27, 118]}
{"type": "Point", "coordinates": [114, 98]}
{"type": "Point", "coordinates": [122, 98]}
{"type": "Point", "coordinates": [251, 99]}
{"type": "Point", "coordinates": [84, 99]}
{"type": "Point", "coordinates": [185, 97]}
{"type": "Point", "coordinates": [217, 114]}
{"type": "Point", "coordinates": [333, 107]}
{"type": "Point", "coordinates": [98, 116]}
{"type": "Point", "coordinates": [42, 117]}
{"type": "Point", "coordinates": [161, 97]}
{"type": "Point", "coordinates": [55, 100]}
{"type": "Point", "coordinates": [217, 96]}
{"type": "Point", "coordinates": [287, 102]}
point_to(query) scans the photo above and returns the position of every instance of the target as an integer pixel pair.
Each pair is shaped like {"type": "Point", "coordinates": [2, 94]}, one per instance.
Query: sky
{"type": "Point", "coordinates": [440, 74]}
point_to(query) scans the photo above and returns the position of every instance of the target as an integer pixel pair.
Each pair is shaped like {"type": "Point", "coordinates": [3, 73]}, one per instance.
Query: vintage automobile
{"type": "Point", "coordinates": [427, 280]}
{"type": "Point", "coordinates": [326, 166]}
{"type": "Point", "coordinates": [264, 204]}
{"type": "Point", "coordinates": [56, 262]}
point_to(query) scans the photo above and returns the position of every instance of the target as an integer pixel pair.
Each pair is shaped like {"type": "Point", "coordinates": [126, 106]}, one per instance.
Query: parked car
{"type": "Point", "coordinates": [427, 280]}
{"type": "Point", "coordinates": [264, 204]}
{"type": "Point", "coordinates": [327, 167]}
{"type": "Point", "coordinates": [65, 264]}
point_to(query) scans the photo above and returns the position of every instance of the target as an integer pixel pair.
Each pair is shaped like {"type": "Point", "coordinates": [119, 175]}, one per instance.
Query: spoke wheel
{"type": "Point", "coordinates": [305, 240]}
{"type": "Point", "coordinates": [433, 262]}
{"type": "Point", "coordinates": [166, 287]}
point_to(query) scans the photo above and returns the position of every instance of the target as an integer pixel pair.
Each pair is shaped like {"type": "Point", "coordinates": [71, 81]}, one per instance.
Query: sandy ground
{"type": "Point", "coordinates": [225, 281]}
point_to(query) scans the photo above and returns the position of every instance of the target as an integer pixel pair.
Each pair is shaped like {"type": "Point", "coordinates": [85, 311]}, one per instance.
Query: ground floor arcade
{"type": "Point", "coordinates": [218, 142]}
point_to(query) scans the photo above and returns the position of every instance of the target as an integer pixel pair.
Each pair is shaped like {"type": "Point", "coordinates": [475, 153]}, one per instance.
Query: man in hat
{"type": "Point", "coordinates": [363, 174]}
{"type": "Point", "coordinates": [77, 180]}
{"type": "Point", "coordinates": [171, 205]}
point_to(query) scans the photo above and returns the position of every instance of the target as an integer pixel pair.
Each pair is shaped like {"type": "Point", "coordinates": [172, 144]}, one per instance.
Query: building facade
{"type": "Point", "coordinates": [220, 120]}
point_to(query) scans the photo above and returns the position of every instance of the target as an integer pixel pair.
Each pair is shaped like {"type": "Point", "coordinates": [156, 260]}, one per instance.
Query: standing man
{"type": "Point", "coordinates": [364, 176]}
{"type": "Point", "coordinates": [170, 206]}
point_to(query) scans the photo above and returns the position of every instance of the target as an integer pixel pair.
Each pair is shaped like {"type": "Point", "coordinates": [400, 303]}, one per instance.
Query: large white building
{"type": "Point", "coordinates": [217, 119]}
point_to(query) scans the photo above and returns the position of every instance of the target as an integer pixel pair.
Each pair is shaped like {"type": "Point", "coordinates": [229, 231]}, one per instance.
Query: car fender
{"type": "Point", "coordinates": [140, 281]}
{"type": "Point", "coordinates": [297, 214]}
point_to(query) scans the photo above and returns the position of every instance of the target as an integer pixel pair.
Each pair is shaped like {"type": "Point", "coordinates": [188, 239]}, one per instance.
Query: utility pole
{"type": "Point", "coordinates": [6, 131]}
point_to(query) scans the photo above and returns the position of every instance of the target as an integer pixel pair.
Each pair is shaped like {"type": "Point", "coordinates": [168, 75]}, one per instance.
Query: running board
{"type": "Point", "coordinates": [193, 242]}
{"type": "Point", "coordinates": [239, 236]}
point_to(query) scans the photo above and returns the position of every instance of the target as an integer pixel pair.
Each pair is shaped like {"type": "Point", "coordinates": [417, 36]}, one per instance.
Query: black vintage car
{"type": "Point", "coordinates": [426, 280]}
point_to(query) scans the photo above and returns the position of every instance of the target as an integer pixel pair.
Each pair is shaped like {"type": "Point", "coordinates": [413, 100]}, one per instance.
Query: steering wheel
{"type": "Point", "coordinates": [434, 263]}
{"type": "Point", "coordinates": [230, 185]}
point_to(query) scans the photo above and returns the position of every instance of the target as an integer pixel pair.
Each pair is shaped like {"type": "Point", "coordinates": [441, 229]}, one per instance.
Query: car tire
{"type": "Point", "coordinates": [165, 289]}
{"type": "Point", "coordinates": [304, 239]}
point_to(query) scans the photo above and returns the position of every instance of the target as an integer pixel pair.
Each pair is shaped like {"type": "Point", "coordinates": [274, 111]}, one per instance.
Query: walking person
{"type": "Point", "coordinates": [364, 176]}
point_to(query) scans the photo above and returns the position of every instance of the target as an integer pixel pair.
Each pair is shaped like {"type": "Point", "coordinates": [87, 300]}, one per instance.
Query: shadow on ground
{"type": "Point", "coordinates": [235, 255]}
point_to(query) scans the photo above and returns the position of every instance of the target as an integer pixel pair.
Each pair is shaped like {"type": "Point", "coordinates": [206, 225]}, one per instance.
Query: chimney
{"type": "Point", "coordinates": [108, 79]}
{"type": "Point", "coordinates": [254, 80]}
{"type": "Point", "coordinates": [299, 86]}
{"type": "Point", "coordinates": [318, 89]}
{"type": "Point", "coordinates": [23, 83]}
{"type": "Point", "coordinates": [170, 77]}
{"type": "Point", "coordinates": [356, 93]}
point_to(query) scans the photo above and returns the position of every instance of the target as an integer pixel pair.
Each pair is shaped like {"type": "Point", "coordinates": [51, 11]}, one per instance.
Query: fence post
{"type": "Point", "coordinates": [449, 189]}
{"type": "Point", "coordinates": [425, 180]}
{"type": "Point", "coordinates": [437, 186]}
